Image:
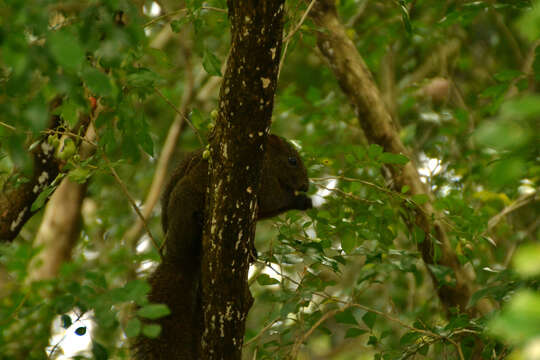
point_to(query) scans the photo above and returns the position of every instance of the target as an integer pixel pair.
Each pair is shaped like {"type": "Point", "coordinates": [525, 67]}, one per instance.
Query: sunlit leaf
{"type": "Point", "coordinates": [265, 279]}
{"type": "Point", "coordinates": [526, 260]}
{"type": "Point", "coordinates": [211, 63]}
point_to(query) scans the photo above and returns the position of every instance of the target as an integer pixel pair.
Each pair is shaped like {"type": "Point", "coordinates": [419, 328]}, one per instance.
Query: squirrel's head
{"type": "Point", "coordinates": [284, 179]}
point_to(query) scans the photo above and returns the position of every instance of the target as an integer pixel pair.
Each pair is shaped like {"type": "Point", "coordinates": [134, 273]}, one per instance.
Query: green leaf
{"type": "Point", "coordinates": [405, 16]}
{"type": "Point", "coordinates": [369, 319]}
{"type": "Point", "coordinates": [265, 279]}
{"type": "Point", "coordinates": [79, 175]}
{"type": "Point", "coordinates": [37, 114]}
{"type": "Point", "coordinates": [142, 78]}
{"type": "Point", "coordinates": [153, 311]}
{"type": "Point", "coordinates": [176, 25]}
{"type": "Point", "coordinates": [354, 332]}
{"type": "Point", "coordinates": [67, 150]}
{"type": "Point", "coordinates": [443, 274]}
{"type": "Point", "coordinates": [494, 134]}
{"type": "Point", "coordinates": [346, 317]}
{"type": "Point", "coordinates": [198, 119]}
{"type": "Point", "coordinates": [519, 320]}
{"type": "Point", "coordinates": [146, 142]}
{"type": "Point", "coordinates": [137, 290]}
{"type": "Point", "coordinates": [390, 158]}
{"type": "Point", "coordinates": [372, 340]}
{"type": "Point", "coordinates": [211, 63]}
{"type": "Point", "coordinates": [507, 75]}
{"type": "Point", "coordinates": [151, 330]}
{"type": "Point", "coordinates": [526, 260]}
{"type": "Point", "coordinates": [348, 242]}
{"type": "Point", "coordinates": [66, 49]}
{"type": "Point", "coordinates": [507, 171]}
{"type": "Point", "coordinates": [69, 112]}
{"type": "Point", "coordinates": [98, 83]}
{"type": "Point", "coordinates": [374, 151]}
{"type": "Point", "coordinates": [524, 107]}
{"type": "Point", "coordinates": [529, 23]}
{"type": "Point", "coordinates": [133, 327]}
{"type": "Point", "coordinates": [409, 338]}
{"type": "Point", "coordinates": [42, 198]}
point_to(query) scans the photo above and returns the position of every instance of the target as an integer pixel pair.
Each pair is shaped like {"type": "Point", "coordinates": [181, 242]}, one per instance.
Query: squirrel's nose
{"type": "Point", "coordinates": [305, 186]}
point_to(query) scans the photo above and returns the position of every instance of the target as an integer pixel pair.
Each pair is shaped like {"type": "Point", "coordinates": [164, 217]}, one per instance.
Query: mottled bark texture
{"type": "Point", "coordinates": [15, 202]}
{"type": "Point", "coordinates": [60, 227]}
{"type": "Point", "coordinates": [375, 120]}
{"type": "Point", "coordinates": [236, 158]}
{"type": "Point", "coordinates": [176, 281]}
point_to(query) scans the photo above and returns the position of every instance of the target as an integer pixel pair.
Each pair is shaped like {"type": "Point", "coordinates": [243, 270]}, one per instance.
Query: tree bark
{"type": "Point", "coordinates": [376, 122]}
{"type": "Point", "coordinates": [16, 201]}
{"type": "Point", "coordinates": [236, 155]}
{"type": "Point", "coordinates": [59, 230]}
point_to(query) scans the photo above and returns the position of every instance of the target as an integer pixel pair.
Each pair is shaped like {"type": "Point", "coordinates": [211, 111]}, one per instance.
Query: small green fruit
{"type": "Point", "coordinates": [206, 154]}
{"type": "Point", "coordinates": [68, 150]}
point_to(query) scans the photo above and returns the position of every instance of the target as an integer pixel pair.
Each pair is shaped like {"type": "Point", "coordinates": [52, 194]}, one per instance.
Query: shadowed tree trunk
{"type": "Point", "coordinates": [236, 156]}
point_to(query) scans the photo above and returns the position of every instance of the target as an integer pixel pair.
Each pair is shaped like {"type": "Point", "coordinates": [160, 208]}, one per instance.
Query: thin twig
{"type": "Point", "coordinates": [166, 154]}
{"type": "Point", "coordinates": [345, 194]}
{"type": "Point", "coordinates": [299, 24]}
{"type": "Point", "coordinates": [521, 201]}
{"type": "Point", "coordinates": [127, 195]}
{"type": "Point", "coordinates": [13, 128]}
{"type": "Point", "coordinates": [181, 114]}
{"type": "Point", "coordinates": [176, 12]}
{"type": "Point", "coordinates": [287, 38]}
{"type": "Point", "coordinates": [377, 312]}
{"type": "Point", "coordinates": [164, 16]}
{"type": "Point", "coordinates": [300, 340]}
{"type": "Point", "coordinates": [344, 178]}
{"type": "Point", "coordinates": [215, 9]}
{"type": "Point", "coordinates": [404, 197]}
{"type": "Point", "coordinates": [263, 330]}
{"type": "Point", "coordinates": [71, 134]}
{"type": "Point", "coordinates": [15, 312]}
{"type": "Point", "coordinates": [131, 201]}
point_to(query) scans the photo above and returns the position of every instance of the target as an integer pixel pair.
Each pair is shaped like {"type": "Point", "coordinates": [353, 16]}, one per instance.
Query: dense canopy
{"type": "Point", "coordinates": [418, 123]}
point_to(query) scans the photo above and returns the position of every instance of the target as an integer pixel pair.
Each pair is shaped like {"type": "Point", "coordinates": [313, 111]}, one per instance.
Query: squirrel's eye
{"type": "Point", "coordinates": [292, 161]}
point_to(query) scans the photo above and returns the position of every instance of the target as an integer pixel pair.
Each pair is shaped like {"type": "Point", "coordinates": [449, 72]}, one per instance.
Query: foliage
{"type": "Point", "coordinates": [345, 279]}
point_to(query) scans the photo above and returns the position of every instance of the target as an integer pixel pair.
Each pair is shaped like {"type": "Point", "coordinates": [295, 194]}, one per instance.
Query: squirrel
{"type": "Point", "coordinates": [175, 282]}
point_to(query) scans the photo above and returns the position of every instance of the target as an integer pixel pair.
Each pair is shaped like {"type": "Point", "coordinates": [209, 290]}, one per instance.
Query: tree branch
{"type": "Point", "coordinates": [358, 85]}
{"type": "Point", "coordinates": [16, 201]}
{"type": "Point", "coordinates": [59, 230]}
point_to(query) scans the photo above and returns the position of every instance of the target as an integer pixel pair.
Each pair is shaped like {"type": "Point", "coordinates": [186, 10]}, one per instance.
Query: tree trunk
{"type": "Point", "coordinates": [236, 155]}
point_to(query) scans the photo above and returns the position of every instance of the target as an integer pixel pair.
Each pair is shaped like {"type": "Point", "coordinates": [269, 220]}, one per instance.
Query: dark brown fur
{"type": "Point", "coordinates": [176, 280]}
